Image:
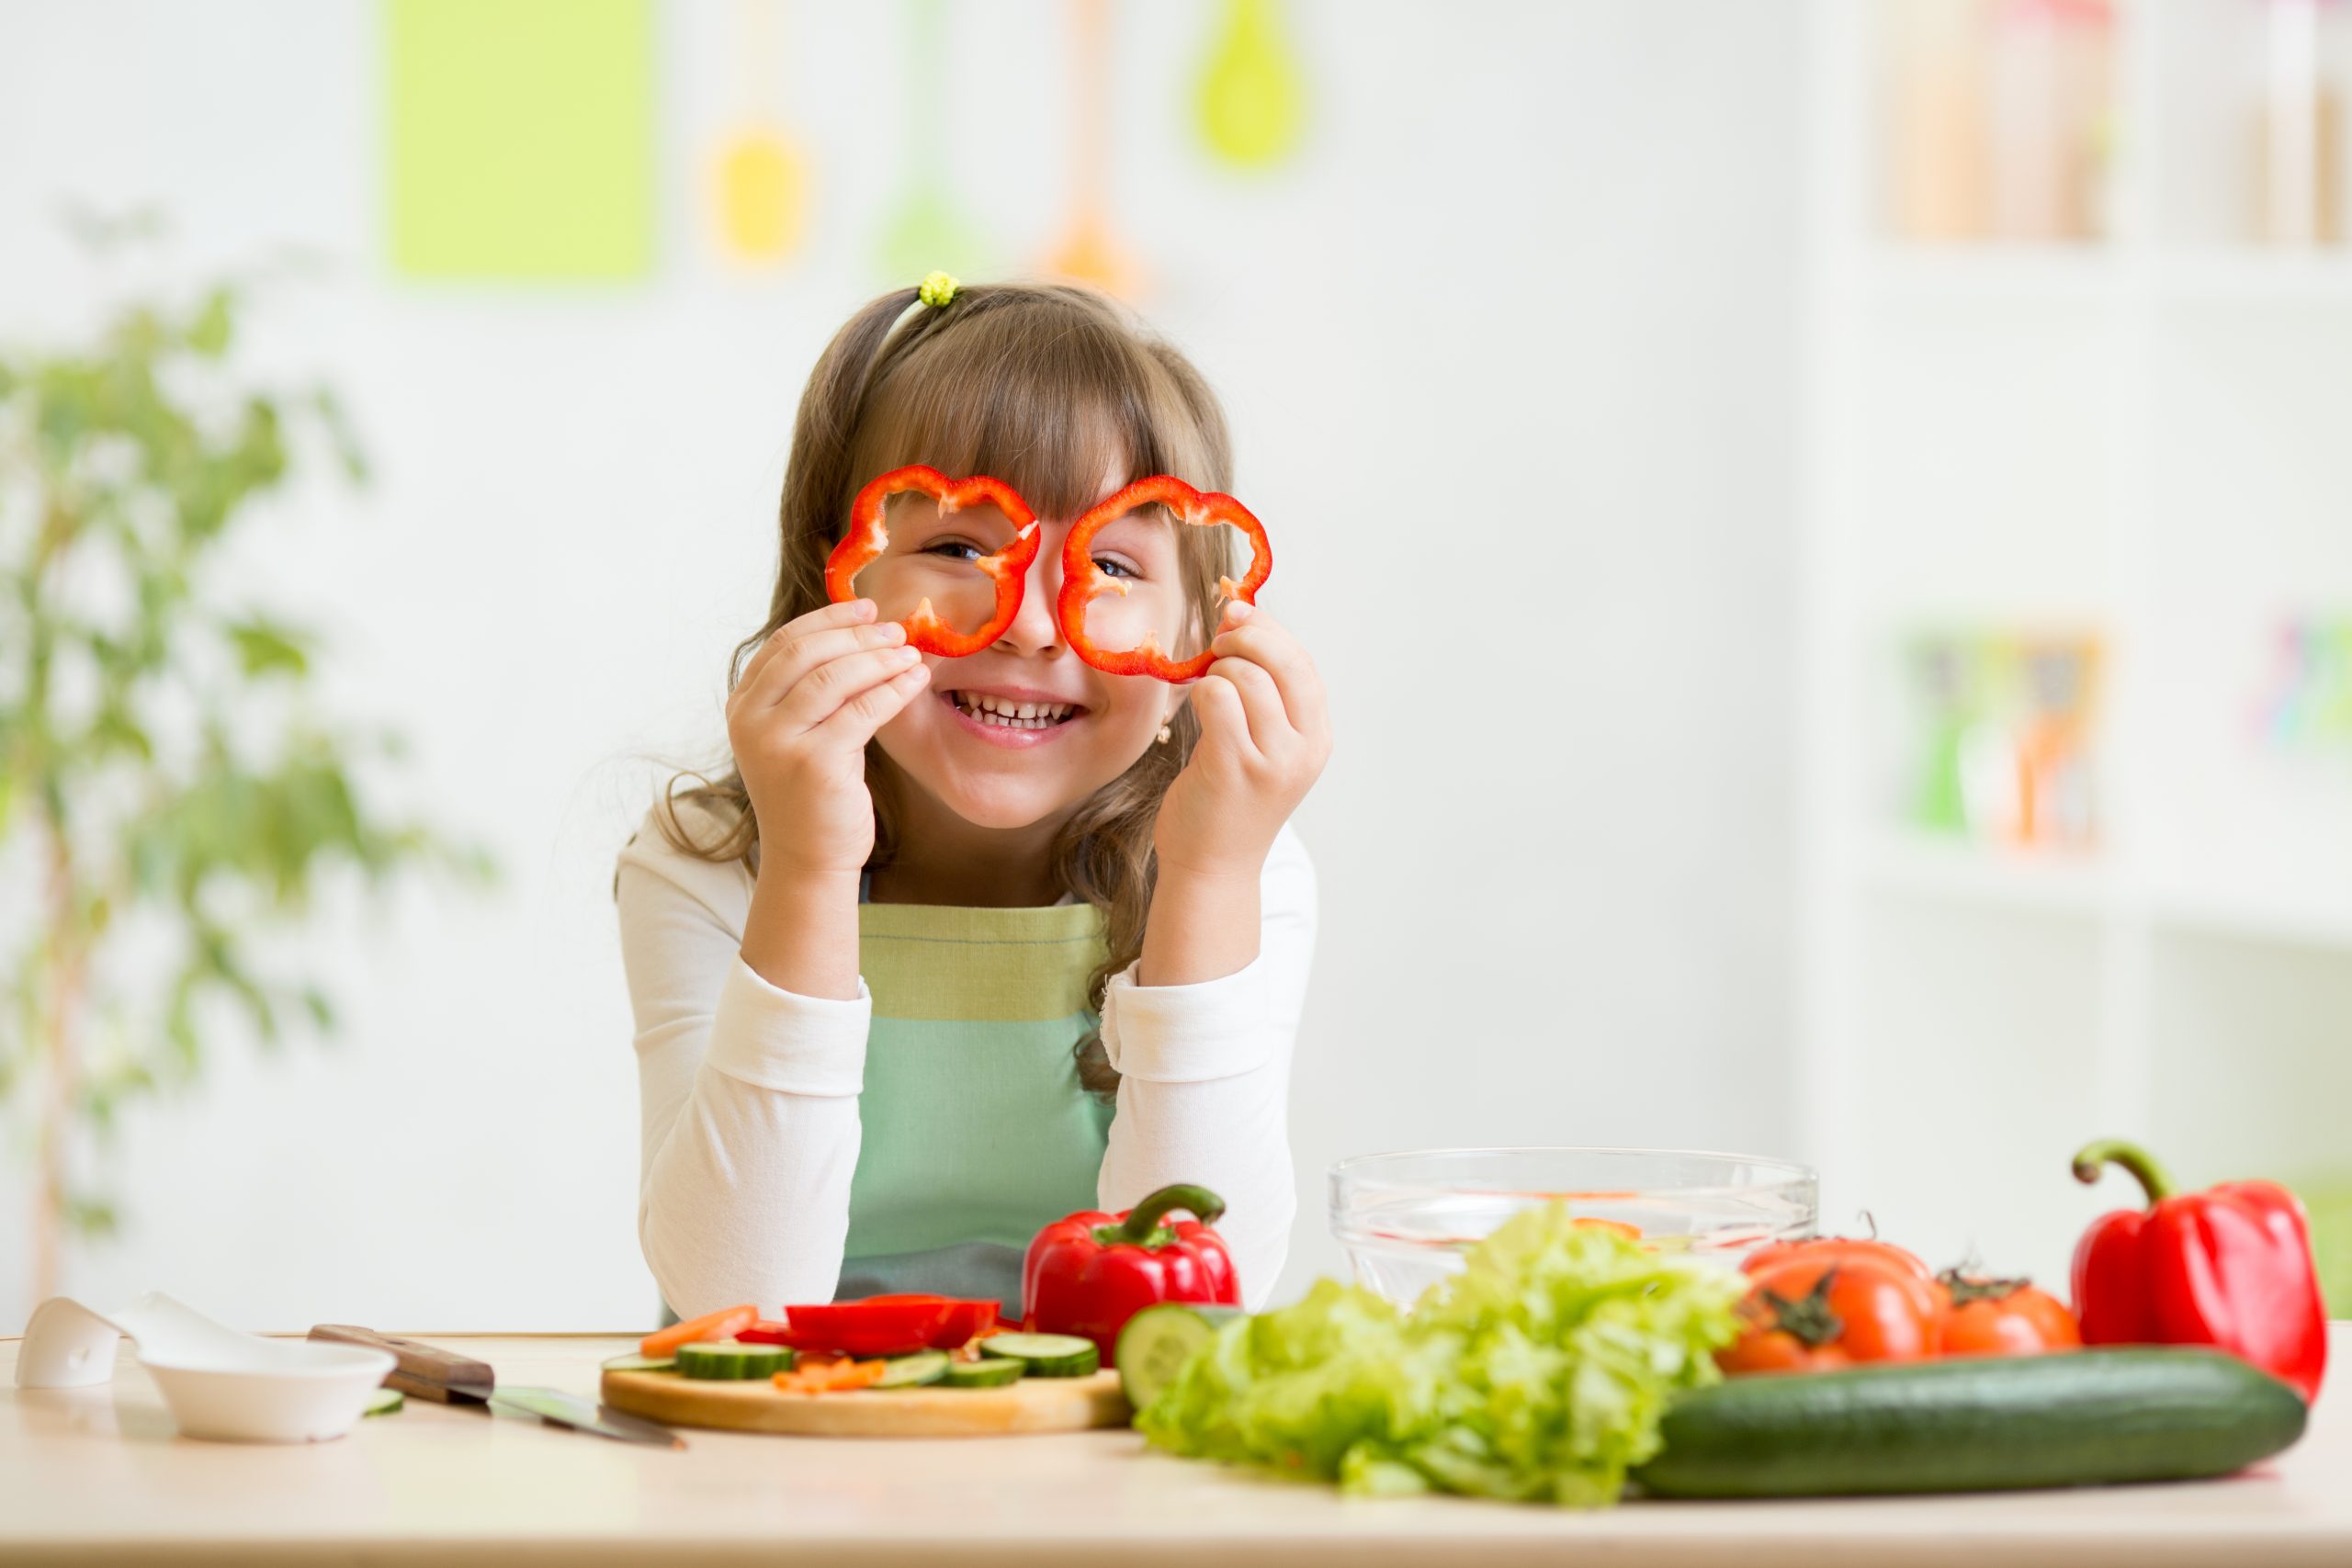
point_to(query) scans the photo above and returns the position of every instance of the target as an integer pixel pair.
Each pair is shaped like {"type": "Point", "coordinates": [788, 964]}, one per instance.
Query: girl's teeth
{"type": "Point", "coordinates": [1010, 714]}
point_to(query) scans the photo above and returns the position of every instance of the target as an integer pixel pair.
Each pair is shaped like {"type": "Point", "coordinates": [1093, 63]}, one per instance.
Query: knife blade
{"type": "Point", "coordinates": [430, 1372]}
{"type": "Point", "coordinates": [558, 1408]}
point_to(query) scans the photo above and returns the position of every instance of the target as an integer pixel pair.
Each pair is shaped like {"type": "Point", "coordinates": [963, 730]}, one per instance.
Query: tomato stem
{"type": "Point", "coordinates": [1810, 1320]}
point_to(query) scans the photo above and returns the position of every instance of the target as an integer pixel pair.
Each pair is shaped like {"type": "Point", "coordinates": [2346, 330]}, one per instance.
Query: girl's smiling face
{"type": "Point", "coordinates": [1024, 731]}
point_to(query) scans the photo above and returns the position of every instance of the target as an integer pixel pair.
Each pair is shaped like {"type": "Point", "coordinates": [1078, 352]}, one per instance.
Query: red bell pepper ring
{"type": "Point", "coordinates": [1088, 1273]}
{"type": "Point", "coordinates": [870, 535]}
{"type": "Point", "coordinates": [1082, 581]}
{"type": "Point", "coordinates": [2230, 1267]}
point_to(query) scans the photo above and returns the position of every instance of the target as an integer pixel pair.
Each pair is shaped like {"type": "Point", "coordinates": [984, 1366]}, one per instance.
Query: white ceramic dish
{"type": "Point", "coordinates": [1405, 1219]}
{"type": "Point", "coordinates": [219, 1385]}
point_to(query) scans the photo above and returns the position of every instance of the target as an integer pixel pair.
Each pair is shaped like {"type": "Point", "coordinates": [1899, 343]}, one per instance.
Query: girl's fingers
{"type": "Point", "coordinates": [1265, 643]}
{"type": "Point", "coordinates": [829, 687]}
{"type": "Point", "coordinates": [854, 613]}
{"type": "Point", "coordinates": [1261, 703]}
{"type": "Point", "coordinates": [1225, 726]}
{"type": "Point", "coordinates": [798, 659]}
{"type": "Point", "coordinates": [854, 723]}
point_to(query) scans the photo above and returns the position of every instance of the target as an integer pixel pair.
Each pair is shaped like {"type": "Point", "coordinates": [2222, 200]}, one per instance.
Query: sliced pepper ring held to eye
{"type": "Point", "coordinates": [1082, 581]}
{"type": "Point", "coordinates": [869, 536]}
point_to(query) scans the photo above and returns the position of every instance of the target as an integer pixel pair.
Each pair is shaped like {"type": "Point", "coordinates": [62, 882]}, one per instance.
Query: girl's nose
{"type": "Point", "coordinates": [1033, 628]}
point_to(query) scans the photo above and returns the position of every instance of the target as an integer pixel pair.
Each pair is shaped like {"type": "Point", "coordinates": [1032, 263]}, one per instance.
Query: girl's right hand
{"type": "Point", "coordinates": [798, 719]}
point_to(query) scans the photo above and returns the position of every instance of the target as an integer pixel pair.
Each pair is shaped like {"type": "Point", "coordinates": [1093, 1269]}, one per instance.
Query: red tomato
{"type": "Point", "coordinates": [1817, 1314]}
{"type": "Point", "coordinates": [2004, 1317]}
{"type": "Point", "coordinates": [1773, 1254]}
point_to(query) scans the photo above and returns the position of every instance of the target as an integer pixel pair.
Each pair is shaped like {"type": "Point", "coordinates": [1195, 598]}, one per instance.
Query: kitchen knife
{"type": "Point", "coordinates": [430, 1372]}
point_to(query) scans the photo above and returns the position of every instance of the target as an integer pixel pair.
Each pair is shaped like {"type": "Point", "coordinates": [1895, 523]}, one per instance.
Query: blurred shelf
{"type": "Point", "coordinates": [2054, 882]}
{"type": "Point", "coordinates": [2056, 276]}
{"type": "Point", "coordinates": [2250, 275]}
{"type": "Point", "coordinates": [1901, 273]}
{"type": "Point", "coordinates": [2311, 914]}
{"type": "Point", "coordinates": [2307, 915]}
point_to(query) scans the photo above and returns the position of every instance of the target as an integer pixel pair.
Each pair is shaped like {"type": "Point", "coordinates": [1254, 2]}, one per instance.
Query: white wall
{"type": "Point", "coordinates": [1526, 299]}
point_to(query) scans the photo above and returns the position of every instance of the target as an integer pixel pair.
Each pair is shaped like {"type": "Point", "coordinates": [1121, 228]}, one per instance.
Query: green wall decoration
{"type": "Point", "coordinates": [171, 795]}
{"type": "Point", "coordinates": [926, 230]}
{"type": "Point", "coordinates": [521, 138]}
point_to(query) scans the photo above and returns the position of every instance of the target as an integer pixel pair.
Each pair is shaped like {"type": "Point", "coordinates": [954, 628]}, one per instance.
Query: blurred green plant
{"type": "Point", "coordinates": [169, 794]}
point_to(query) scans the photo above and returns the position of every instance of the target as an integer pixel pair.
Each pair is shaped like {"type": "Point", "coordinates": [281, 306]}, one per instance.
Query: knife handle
{"type": "Point", "coordinates": [425, 1370]}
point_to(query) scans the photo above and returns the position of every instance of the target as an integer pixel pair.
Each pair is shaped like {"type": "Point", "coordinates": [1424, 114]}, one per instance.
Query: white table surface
{"type": "Point", "coordinates": [97, 1475]}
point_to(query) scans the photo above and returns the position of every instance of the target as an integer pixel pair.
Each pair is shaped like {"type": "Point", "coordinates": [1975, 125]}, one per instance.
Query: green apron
{"type": "Point", "coordinates": [974, 1130]}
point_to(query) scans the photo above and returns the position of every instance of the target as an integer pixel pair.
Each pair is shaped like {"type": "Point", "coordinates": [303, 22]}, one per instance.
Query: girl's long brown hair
{"type": "Point", "coordinates": [1065, 397]}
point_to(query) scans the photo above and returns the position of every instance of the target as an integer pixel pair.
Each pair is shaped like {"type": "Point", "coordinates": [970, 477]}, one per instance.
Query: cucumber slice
{"type": "Point", "coordinates": [996, 1371]}
{"type": "Point", "coordinates": [727, 1361]}
{"type": "Point", "coordinates": [1158, 1340]}
{"type": "Point", "coordinates": [384, 1402]}
{"type": "Point", "coordinates": [1046, 1355]}
{"type": "Point", "coordinates": [913, 1371]}
{"type": "Point", "coordinates": [642, 1364]}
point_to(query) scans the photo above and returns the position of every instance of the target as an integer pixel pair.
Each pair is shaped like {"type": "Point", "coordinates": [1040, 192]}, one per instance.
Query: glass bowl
{"type": "Point", "coordinates": [1405, 1218]}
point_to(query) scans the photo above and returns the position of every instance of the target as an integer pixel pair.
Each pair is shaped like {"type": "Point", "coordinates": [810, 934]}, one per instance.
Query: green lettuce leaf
{"type": "Point", "coordinates": [1541, 1372]}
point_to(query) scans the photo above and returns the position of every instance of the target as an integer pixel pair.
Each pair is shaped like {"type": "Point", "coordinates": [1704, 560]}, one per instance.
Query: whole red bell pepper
{"type": "Point", "coordinates": [1090, 1272]}
{"type": "Point", "coordinates": [2230, 1267]}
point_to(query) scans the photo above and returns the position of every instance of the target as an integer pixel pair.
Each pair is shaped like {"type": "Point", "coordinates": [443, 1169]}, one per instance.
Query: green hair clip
{"type": "Point", "coordinates": [937, 289]}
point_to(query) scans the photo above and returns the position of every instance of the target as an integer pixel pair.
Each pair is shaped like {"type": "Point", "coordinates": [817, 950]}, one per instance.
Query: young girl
{"type": "Point", "coordinates": [965, 944]}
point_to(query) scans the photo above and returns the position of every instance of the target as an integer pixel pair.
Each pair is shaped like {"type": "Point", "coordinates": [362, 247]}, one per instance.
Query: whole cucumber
{"type": "Point", "coordinates": [2078, 1418]}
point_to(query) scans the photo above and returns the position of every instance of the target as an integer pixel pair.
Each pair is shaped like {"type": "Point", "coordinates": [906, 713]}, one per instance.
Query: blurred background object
{"type": "Point", "coordinates": [174, 788]}
{"type": "Point", "coordinates": [760, 174]}
{"type": "Point", "coordinates": [2077, 838]}
{"type": "Point", "coordinates": [1886, 708]}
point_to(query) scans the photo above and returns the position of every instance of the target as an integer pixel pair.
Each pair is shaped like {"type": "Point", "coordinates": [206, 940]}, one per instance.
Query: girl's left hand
{"type": "Point", "coordinates": [1264, 739]}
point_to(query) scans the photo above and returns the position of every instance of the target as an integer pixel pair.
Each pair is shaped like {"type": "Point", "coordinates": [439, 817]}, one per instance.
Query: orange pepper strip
{"type": "Point", "coordinates": [719, 1325]}
{"type": "Point", "coordinates": [831, 1376]}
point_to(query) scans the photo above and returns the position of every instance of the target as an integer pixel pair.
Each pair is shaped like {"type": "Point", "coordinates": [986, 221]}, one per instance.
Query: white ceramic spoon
{"type": "Point", "coordinates": [219, 1383]}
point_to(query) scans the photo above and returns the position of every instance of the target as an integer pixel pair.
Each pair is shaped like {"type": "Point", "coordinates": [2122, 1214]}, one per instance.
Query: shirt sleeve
{"type": "Point", "coordinates": [1204, 1080]}
{"type": "Point", "coordinates": [749, 1094]}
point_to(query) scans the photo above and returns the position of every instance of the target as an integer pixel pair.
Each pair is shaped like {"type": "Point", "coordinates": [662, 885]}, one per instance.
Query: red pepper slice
{"type": "Point", "coordinates": [1082, 581]}
{"type": "Point", "coordinates": [767, 1331]}
{"type": "Point", "coordinates": [965, 1318]}
{"type": "Point", "coordinates": [887, 1325]}
{"type": "Point", "coordinates": [870, 535]}
{"type": "Point", "coordinates": [2230, 1267]}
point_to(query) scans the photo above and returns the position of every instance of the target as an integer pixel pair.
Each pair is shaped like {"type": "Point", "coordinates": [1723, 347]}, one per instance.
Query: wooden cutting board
{"type": "Point", "coordinates": [1032, 1404]}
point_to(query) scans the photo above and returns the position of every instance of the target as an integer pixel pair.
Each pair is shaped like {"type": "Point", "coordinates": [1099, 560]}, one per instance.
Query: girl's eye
{"type": "Point", "coordinates": [1111, 566]}
{"type": "Point", "coordinates": [957, 549]}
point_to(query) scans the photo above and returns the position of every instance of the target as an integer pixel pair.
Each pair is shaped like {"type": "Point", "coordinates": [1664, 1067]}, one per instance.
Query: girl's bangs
{"type": "Point", "coordinates": [1065, 421]}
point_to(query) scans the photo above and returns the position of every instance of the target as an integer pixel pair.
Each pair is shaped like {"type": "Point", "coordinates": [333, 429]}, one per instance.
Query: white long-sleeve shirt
{"type": "Point", "coordinates": [749, 1093]}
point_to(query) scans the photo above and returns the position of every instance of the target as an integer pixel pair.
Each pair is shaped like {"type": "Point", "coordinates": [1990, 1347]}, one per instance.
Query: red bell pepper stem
{"type": "Point", "coordinates": [1142, 1228]}
{"type": "Point", "coordinates": [1082, 581]}
{"type": "Point", "coordinates": [2094, 1159]}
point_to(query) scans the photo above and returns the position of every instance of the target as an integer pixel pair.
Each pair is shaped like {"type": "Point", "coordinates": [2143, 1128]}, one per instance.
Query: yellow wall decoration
{"type": "Point", "coordinates": [1252, 98]}
{"type": "Point", "coordinates": [520, 138]}
{"type": "Point", "coordinates": [762, 176]}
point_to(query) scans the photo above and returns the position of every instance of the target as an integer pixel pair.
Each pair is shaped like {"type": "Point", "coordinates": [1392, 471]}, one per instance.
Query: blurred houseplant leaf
{"type": "Point", "coordinates": [169, 792]}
